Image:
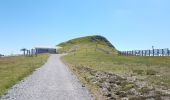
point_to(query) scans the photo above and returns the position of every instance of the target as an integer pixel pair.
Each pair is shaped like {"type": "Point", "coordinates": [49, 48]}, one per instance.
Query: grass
{"type": "Point", "coordinates": [153, 70]}
{"type": "Point", "coordinates": [14, 69]}
{"type": "Point", "coordinates": [122, 64]}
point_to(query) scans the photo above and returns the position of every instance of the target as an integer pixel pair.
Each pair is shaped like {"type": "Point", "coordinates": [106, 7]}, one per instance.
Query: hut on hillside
{"type": "Point", "coordinates": [45, 49]}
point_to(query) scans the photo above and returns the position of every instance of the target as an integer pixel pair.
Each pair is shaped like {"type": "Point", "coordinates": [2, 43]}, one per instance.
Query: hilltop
{"type": "Point", "coordinates": [96, 42]}
{"type": "Point", "coordinates": [97, 39]}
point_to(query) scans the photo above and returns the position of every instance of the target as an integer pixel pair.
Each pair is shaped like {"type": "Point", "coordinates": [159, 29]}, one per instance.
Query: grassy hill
{"type": "Point", "coordinates": [106, 75]}
{"type": "Point", "coordinates": [89, 43]}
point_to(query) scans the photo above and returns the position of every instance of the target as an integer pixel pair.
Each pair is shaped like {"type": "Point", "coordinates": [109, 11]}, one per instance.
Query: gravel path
{"type": "Point", "coordinates": [53, 81]}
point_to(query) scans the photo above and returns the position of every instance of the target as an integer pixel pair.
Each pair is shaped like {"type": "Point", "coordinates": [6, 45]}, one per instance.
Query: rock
{"type": "Point", "coordinates": [109, 95]}
{"type": "Point", "coordinates": [100, 85]}
{"type": "Point", "coordinates": [111, 98]}
{"type": "Point", "coordinates": [125, 98]}
{"type": "Point", "coordinates": [121, 94]}
{"type": "Point", "coordinates": [118, 82]}
{"type": "Point", "coordinates": [151, 93]}
{"type": "Point", "coordinates": [133, 92]}
{"type": "Point", "coordinates": [141, 84]}
{"type": "Point", "coordinates": [167, 92]}
{"type": "Point", "coordinates": [105, 92]}
{"type": "Point", "coordinates": [131, 79]}
{"type": "Point", "coordinates": [114, 87]}
{"type": "Point", "coordinates": [106, 85]}
{"type": "Point", "coordinates": [150, 99]}
{"type": "Point", "coordinates": [112, 79]}
{"type": "Point", "coordinates": [165, 98]}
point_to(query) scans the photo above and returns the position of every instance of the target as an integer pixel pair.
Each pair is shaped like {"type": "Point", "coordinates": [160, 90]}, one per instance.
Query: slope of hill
{"type": "Point", "coordinates": [98, 43]}
{"type": "Point", "coordinates": [92, 39]}
{"type": "Point", "coordinates": [108, 76]}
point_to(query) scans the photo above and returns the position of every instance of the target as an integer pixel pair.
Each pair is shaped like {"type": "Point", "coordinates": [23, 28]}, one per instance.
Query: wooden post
{"type": "Point", "coordinates": [119, 53]}
{"type": "Point", "coordinates": [158, 52]}
{"type": "Point", "coordinates": [142, 52]}
{"type": "Point", "coordinates": [162, 52]}
{"type": "Point", "coordinates": [35, 51]}
{"type": "Point", "coordinates": [29, 52]}
{"type": "Point", "coordinates": [149, 53]}
{"type": "Point", "coordinates": [145, 52]}
{"type": "Point", "coordinates": [135, 52]}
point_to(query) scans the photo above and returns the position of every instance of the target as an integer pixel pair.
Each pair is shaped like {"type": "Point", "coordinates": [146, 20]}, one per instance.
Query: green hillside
{"type": "Point", "coordinates": [107, 75]}
{"type": "Point", "coordinates": [90, 43]}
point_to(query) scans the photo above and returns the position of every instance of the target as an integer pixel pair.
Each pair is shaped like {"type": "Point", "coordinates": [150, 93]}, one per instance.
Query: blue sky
{"type": "Point", "coordinates": [128, 24]}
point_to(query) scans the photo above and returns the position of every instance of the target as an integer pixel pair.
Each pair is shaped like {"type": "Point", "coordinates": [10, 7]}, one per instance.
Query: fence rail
{"type": "Point", "coordinates": [153, 52]}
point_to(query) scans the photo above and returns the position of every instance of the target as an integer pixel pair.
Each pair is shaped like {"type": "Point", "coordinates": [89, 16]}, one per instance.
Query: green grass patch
{"type": "Point", "coordinates": [14, 69]}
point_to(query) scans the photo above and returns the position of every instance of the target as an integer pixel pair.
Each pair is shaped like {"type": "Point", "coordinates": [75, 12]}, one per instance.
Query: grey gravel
{"type": "Point", "coordinates": [53, 81]}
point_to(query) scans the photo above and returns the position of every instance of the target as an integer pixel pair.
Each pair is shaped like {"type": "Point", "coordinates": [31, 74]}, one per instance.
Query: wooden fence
{"type": "Point", "coordinates": [153, 52]}
{"type": "Point", "coordinates": [30, 52]}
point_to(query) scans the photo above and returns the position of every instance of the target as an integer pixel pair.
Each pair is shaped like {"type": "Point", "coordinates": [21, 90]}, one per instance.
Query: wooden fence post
{"type": "Point", "coordinates": [142, 52]}
{"type": "Point", "coordinates": [158, 52]}
{"type": "Point", "coordinates": [162, 52]}
{"type": "Point", "coordinates": [145, 52]}
{"type": "Point", "coordinates": [32, 52]}
{"type": "Point", "coordinates": [135, 52]}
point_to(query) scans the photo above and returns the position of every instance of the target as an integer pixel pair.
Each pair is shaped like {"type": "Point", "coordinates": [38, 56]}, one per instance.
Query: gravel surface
{"type": "Point", "coordinates": [53, 81]}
